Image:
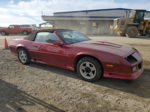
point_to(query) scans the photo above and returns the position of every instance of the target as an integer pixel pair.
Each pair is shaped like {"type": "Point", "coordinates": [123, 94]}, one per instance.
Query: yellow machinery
{"type": "Point", "coordinates": [133, 25]}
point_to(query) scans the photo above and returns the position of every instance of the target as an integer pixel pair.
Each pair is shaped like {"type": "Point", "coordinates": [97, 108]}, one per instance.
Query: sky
{"type": "Point", "coordinates": [30, 11]}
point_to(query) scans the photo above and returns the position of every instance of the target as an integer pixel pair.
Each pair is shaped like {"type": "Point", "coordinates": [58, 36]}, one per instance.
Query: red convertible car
{"type": "Point", "coordinates": [72, 50]}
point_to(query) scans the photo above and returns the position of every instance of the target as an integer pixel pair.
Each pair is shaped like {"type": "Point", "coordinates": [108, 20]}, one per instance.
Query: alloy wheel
{"type": "Point", "coordinates": [88, 70]}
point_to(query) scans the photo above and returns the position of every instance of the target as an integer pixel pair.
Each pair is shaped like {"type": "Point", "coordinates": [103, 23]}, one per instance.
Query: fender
{"type": "Point", "coordinates": [20, 45]}
{"type": "Point", "coordinates": [86, 54]}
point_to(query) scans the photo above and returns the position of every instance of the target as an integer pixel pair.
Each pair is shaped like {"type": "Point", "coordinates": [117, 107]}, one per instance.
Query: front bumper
{"type": "Point", "coordinates": [135, 75]}
{"type": "Point", "coordinates": [132, 76]}
{"type": "Point", "coordinates": [129, 76]}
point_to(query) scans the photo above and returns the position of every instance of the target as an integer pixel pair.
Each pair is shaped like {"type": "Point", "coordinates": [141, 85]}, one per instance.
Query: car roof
{"type": "Point", "coordinates": [33, 34]}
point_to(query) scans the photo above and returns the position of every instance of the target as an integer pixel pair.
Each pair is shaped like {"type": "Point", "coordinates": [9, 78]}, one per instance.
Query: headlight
{"type": "Point", "coordinates": [134, 68]}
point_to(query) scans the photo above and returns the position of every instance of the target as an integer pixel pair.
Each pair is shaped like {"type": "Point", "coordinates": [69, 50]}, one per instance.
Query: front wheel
{"type": "Point", "coordinates": [23, 56]}
{"type": "Point", "coordinates": [89, 69]}
{"type": "Point", "coordinates": [132, 32]}
{"type": "Point", "coordinates": [122, 34]}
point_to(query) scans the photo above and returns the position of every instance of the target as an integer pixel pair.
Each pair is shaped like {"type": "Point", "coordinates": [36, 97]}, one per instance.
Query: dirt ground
{"type": "Point", "coordinates": [41, 88]}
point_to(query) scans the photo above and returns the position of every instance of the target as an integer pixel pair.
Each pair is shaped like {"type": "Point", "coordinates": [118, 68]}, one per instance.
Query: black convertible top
{"type": "Point", "coordinates": [33, 34]}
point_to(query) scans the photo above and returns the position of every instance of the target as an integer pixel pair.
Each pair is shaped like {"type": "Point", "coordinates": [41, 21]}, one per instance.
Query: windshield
{"type": "Point", "coordinates": [140, 15]}
{"type": "Point", "coordinates": [71, 37]}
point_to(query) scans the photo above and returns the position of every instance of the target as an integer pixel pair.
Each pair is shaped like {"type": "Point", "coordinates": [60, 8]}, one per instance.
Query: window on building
{"type": "Point", "coordinates": [94, 24]}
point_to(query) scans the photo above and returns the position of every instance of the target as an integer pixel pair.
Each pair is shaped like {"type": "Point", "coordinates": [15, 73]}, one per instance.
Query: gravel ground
{"type": "Point", "coordinates": [42, 88]}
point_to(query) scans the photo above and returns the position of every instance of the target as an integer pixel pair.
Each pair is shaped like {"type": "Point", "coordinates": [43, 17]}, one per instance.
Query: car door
{"type": "Point", "coordinates": [47, 51]}
{"type": "Point", "coordinates": [35, 52]}
{"type": "Point", "coordinates": [18, 29]}
{"type": "Point", "coordinates": [11, 29]}
{"type": "Point", "coordinates": [34, 48]}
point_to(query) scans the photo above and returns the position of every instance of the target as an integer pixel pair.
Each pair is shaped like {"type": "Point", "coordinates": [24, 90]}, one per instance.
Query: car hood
{"type": "Point", "coordinates": [3, 28]}
{"type": "Point", "coordinates": [109, 47]}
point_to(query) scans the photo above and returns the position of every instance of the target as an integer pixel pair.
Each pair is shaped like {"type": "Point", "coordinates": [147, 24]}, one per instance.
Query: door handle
{"type": "Point", "coordinates": [35, 46]}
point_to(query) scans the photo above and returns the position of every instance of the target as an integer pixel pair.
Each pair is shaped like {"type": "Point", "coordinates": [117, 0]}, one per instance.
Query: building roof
{"type": "Point", "coordinates": [92, 10]}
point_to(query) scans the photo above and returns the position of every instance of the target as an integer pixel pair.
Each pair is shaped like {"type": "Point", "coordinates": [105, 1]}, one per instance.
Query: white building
{"type": "Point", "coordinates": [90, 22]}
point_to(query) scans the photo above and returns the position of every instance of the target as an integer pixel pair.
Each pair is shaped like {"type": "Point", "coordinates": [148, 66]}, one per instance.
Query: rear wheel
{"type": "Point", "coordinates": [148, 33]}
{"type": "Point", "coordinates": [89, 69]}
{"type": "Point", "coordinates": [23, 56]}
{"type": "Point", "coordinates": [3, 33]}
{"type": "Point", "coordinates": [132, 31]}
{"type": "Point", "coordinates": [25, 33]}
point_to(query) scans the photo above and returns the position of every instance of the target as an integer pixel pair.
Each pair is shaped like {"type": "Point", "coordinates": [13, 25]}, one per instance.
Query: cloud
{"type": "Point", "coordinates": [30, 11]}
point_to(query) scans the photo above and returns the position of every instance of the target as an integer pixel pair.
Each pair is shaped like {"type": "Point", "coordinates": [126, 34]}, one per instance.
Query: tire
{"type": "Point", "coordinates": [23, 56]}
{"type": "Point", "coordinates": [3, 33]}
{"type": "Point", "coordinates": [149, 33]}
{"type": "Point", "coordinates": [25, 33]}
{"type": "Point", "coordinates": [89, 69]}
{"type": "Point", "coordinates": [132, 32]}
{"type": "Point", "coordinates": [122, 34]}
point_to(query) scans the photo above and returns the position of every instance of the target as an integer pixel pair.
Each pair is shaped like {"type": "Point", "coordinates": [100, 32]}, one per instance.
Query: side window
{"type": "Point", "coordinates": [46, 37]}
{"type": "Point", "coordinates": [11, 26]}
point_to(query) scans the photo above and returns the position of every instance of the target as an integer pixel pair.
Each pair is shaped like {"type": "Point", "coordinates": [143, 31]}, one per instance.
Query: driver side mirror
{"type": "Point", "coordinates": [59, 43]}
